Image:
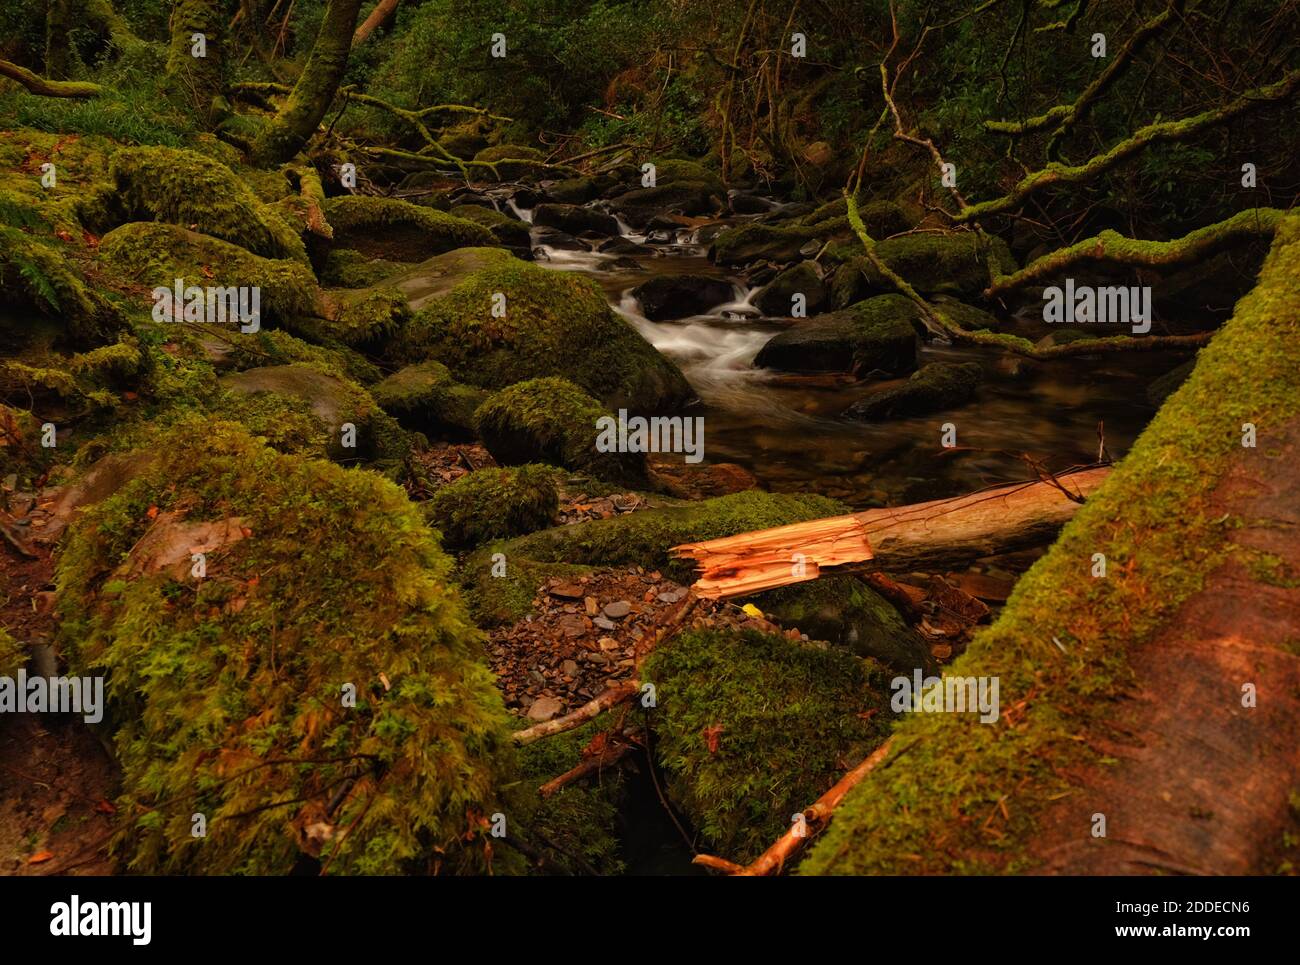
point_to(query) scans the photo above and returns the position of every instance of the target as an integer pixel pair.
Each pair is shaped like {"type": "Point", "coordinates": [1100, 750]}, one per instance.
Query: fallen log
{"type": "Point", "coordinates": [940, 534]}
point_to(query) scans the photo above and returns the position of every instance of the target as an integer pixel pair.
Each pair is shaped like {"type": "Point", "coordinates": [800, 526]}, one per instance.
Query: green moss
{"type": "Point", "coordinates": [225, 693]}
{"type": "Point", "coordinates": [554, 421]}
{"type": "Point", "coordinates": [1163, 533]}
{"type": "Point", "coordinates": [425, 398]}
{"type": "Point", "coordinates": [188, 189]}
{"type": "Point", "coordinates": [508, 231]}
{"type": "Point", "coordinates": [555, 324]}
{"type": "Point", "coordinates": [877, 335]}
{"type": "Point", "coordinates": [951, 264]}
{"type": "Point", "coordinates": [21, 452]}
{"type": "Point", "coordinates": [361, 318]}
{"type": "Point", "coordinates": [781, 242]}
{"type": "Point", "coordinates": [154, 255]}
{"type": "Point", "coordinates": [495, 504]}
{"type": "Point", "coordinates": [349, 268]}
{"type": "Point", "coordinates": [499, 152]}
{"type": "Point", "coordinates": [638, 539]}
{"type": "Point", "coordinates": [13, 655]}
{"type": "Point", "coordinates": [400, 228]}
{"type": "Point", "coordinates": [248, 350]}
{"type": "Point", "coordinates": [933, 388]}
{"type": "Point", "coordinates": [784, 718]}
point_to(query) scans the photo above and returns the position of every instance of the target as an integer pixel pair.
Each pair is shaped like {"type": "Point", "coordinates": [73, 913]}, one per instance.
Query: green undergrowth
{"type": "Point", "coordinates": [751, 728]}
{"type": "Point", "coordinates": [495, 504]}
{"type": "Point", "coordinates": [228, 693]}
{"type": "Point", "coordinates": [1163, 532]}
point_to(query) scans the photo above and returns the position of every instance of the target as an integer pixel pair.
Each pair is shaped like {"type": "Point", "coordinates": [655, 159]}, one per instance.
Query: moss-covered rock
{"type": "Point", "coordinates": [349, 268]}
{"type": "Point", "coordinates": [683, 197]}
{"type": "Point", "coordinates": [154, 255]}
{"type": "Point", "coordinates": [495, 504]}
{"type": "Point", "coordinates": [880, 334]}
{"type": "Point", "coordinates": [510, 232]}
{"type": "Point", "coordinates": [573, 190]}
{"type": "Point", "coordinates": [952, 264]}
{"type": "Point", "coordinates": [229, 694]}
{"type": "Point", "coordinates": [425, 398]}
{"type": "Point", "coordinates": [782, 242]}
{"type": "Point", "coordinates": [574, 219]}
{"type": "Point", "coordinates": [968, 317]}
{"type": "Point", "coordinates": [751, 728]}
{"type": "Point", "coordinates": [335, 401]}
{"type": "Point", "coordinates": [552, 420]}
{"type": "Point", "coordinates": [933, 388]}
{"type": "Point", "coordinates": [358, 318]}
{"type": "Point", "coordinates": [185, 188]}
{"type": "Point", "coordinates": [398, 230]}
{"type": "Point", "coordinates": [844, 611]}
{"type": "Point", "coordinates": [555, 324]}
{"type": "Point", "coordinates": [776, 298]}
{"type": "Point", "coordinates": [499, 152]}
{"type": "Point", "coordinates": [642, 538]}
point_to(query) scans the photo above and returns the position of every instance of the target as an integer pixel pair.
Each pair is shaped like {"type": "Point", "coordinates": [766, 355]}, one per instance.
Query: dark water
{"type": "Point", "coordinates": [785, 428]}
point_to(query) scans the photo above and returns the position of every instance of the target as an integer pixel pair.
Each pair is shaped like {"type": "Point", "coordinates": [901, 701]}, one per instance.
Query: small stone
{"type": "Point", "coordinates": [672, 596]}
{"type": "Point", "coordinates": [570, 668]}
{"type": "Point", "coordinates": [618, 609]}
{"type": "Point", "coordinates": [593, 607]}
{"type": "Point", "coordinates": [605, 623]}
{"type": "Point", "coordinates": [567, 591]}
{"type": "Point", "coordinates": [609, 643]}
{"type": "Point", "coordinates": [544, 708]}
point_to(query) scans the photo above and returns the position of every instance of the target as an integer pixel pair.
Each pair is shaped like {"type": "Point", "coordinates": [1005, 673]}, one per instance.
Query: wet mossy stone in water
{"type": "Point", "coordinates": [225, 695]}
{"type": "Point", "coordinates": [555, 324]}
{"type": "Point", "coordinates": [335, 401]}
{"type": "Point", "coordinates": [186, 188]}
{"type": "Point", "coordinates": [751, 728]}
{"type": "Point", "coordinates": [398, 230]}
{"type": "Point", "coordinates": [425, 398]}
{"type": "Point", "coordinates": [845, 612]}
{"type": "Point", "coordinates": [495, 504]}
{"type": "Point", "coordinates": [349, 268]}
{"type": "Point", "coordinates": [776, 298]}
{"type": "Point", "coordinates": [933, 388]}
{"type": "Point", "coordinates": [683, 197]}
{"type": "Point", "coordinates": [968, 317]}
{"type": "Point", "coordinates": [680, 296]}
{"type": "Point", "coordinates": [880, 334]}
{"type": "Point", "coordinates": [552, 420]}
{"type": "Point", "coordinates": [574, 219]}
{"type": "Point", "coordinates": [952, 264]}
{"type": "Point", "coordinates": [783, 241]}
{"type": "Point", "coordinates": [155, 255]}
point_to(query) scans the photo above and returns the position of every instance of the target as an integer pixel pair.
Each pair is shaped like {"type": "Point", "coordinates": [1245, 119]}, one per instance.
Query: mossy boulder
{"type": "Point", "coordinates": [510, 232]}
{"type": "Point", "coordinates": [349, 268]}
{"type": "Point", "coordinates": [154, 255]}
{"type": "Point", "coordinates": [397, 230]}
{"type": "Point", "coordinates": [495, 504]}
{"type": "Point", "coordinates": [933, 388]}
{"type": "Point", "coordinates": [969, 317]}
{"type": "Point", "coordinates": [425, 398]}
{"type": "Point", "coordinates": [552, 420]}
{"type": "Point", "coordinates": [555, 324]}
{"type": "Point", "coordinates": [229, 694]}
{"type": "Point", "coordinates": [844, 611]}
{"type": "Point", "coordinates": [751, 728]}
{"type": "Point", "coordinates": [357, 318]}
{"type": "Point", "coordinates": [682, 197]}
{"type": "Point", "coordinates": [776, 298]}
{"type": "Point", "coordinates": [499, 152]}
{"type": "Point", "coordinates": [880, 334]}
{"type": "Point", "coordinates": [573, 190]}
{"type": "Point", "coordinates": [335, 402]}
{"type": "Point", "coordinates": [189, 189]}
{"type": "Point", "coordinates": [679, 296]}
{"type": "Point", "coordinates": [952, 264]}
{"type": "Point", "coordinates": [643, 538]}
{"type": "Point", "coordinates": [574, 219]}
{"type": "Point", "coordinates": [758, 241]}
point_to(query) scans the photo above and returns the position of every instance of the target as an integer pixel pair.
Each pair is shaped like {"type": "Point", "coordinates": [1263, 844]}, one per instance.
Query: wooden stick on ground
{"type": "Point", "coordinates": [816, 817]}
{"type": "Point", "coordinates": [612, 697]}
{"type": "Point", "coordinates": [942, 533]}
{"type": "Point", "coordinates": [610, 754]}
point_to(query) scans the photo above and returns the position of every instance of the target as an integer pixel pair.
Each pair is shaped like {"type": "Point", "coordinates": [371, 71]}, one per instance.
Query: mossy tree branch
{"type": "Point", "coordinates": [939, 323]}
{"type": "Point", "coordinates": [1156, 133]}
{"type": "Point", "coordinates": [1064, 117]}
{"type": "Point", "coordinates": [49, 88]}
{"type": "Point", "coordinates": [1115, 248]}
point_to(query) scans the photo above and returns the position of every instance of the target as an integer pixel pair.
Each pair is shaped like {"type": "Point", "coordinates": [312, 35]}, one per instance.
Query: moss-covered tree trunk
{"type": "Point", "coordinates": [1150, 711]}
{"type": "Point", "coordinates": [197, 67]}
{"type": "Point", "coordinates": [287, 132]}
{"type": "Point", "coordinates": [60, 17]}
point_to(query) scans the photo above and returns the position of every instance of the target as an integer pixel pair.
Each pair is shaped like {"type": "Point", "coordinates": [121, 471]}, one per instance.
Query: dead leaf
{"type": "Point", "coordinates": [40, 856]}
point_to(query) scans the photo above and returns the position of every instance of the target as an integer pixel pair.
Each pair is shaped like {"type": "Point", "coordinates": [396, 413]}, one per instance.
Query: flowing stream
{"type": "Point", "coordinates": [785, 428]}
